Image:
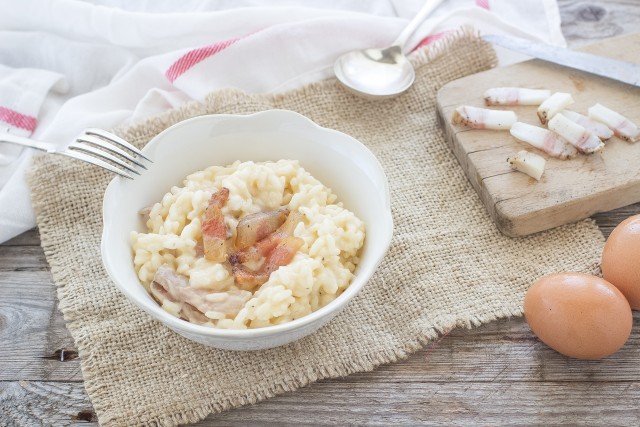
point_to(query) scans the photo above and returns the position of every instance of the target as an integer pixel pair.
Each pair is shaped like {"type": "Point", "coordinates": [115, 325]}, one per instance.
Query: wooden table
{"type": "Point", "coordinates": [496, 374]}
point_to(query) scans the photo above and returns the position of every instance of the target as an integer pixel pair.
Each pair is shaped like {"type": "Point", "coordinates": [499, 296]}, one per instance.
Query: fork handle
{"type": "Point", "coordinates": [26, 142]}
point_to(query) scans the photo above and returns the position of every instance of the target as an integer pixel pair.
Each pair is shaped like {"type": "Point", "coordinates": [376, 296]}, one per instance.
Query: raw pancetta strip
{"type": "Point", "coordinates": [553, 105]}
{"type": "Point", "coordinates": [579, 137]}
{"type": "Point", "coordinates": [619, 124]}
{"type": "Point", "coordinates": [483, 118]}
{"type": "Point", "coordinates": [543, 139]}
{"type": "Point", "coordinates": [529, 163]}
{"type": "Point", "coordinates": [600, 130]}
{"type": "Point", "coordinates": [515, 96]}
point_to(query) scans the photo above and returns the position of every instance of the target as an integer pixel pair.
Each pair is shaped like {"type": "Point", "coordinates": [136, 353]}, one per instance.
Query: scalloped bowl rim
{"type": "Point", "coordinates": [335, 306]}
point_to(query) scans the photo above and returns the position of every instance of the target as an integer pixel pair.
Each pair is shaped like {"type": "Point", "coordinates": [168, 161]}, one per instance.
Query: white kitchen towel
{"type": "Point", "coordinates": [22, 93]}
{"type": "Point", "coordinates": [124, 61]}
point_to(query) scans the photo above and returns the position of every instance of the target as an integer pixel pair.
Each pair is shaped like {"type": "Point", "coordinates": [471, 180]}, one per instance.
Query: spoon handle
{"type": "Point", "coordinates": [429, 6]}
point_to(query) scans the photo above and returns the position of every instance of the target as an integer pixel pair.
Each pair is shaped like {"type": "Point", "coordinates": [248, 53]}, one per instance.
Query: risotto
{"type": "Point", "coordinates": [247, 245]}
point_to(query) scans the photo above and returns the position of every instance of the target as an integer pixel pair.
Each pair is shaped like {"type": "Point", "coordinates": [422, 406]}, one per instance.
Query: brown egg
{"type": "Point", "coordinates": [578, 315]}
{"type": "Point", "coordinates": [621, 259]}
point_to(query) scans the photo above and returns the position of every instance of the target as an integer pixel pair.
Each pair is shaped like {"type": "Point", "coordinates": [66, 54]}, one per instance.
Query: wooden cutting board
{"type": "Point", "coordinates": [569, 190]}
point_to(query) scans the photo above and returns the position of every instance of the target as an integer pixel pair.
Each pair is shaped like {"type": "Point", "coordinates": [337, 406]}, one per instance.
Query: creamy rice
{"type": "Point", "coordinates": [319, 272]}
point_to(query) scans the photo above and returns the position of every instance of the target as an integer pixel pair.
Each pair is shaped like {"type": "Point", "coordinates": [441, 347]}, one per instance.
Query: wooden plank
{"type": "Point", "coordinates": [33, 403]}
{"type": "Point", "coordinates": [28, 403]}
{"type": "Point", "coordinates": [569, 189]}
{"type": "Point", "coordinates": [339, 402]}
{"type": "Point", "coordinates": [507, 351]}
{"type": "Point", "coordinates": [34, 343]}
{"type": "Point", "coordinates": [478, 355]}
{"type": "Point", "coordinates": [28, 238]}
{"type": "Point", "coordinates": [22, 258]}
{"type": "Point", "coordinates": [607, 221]}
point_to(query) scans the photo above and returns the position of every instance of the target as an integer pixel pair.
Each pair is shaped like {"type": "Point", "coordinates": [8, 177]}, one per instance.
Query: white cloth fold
{"type": "Point", "coordinates": [22, 93]}
{"type": "Point", "coordinates": [113, 62]}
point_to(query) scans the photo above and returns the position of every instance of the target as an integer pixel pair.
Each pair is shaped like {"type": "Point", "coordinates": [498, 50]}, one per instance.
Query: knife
{"type": "Point", "coordinates": [594, 64]}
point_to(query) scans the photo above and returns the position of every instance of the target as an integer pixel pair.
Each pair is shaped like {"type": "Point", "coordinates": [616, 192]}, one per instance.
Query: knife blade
{"type": "Point", "coordinates": [594, 64]}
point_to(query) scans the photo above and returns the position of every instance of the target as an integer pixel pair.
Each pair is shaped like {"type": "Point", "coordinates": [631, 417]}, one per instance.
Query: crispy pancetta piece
{"type": "Point", "coordinates": [255, 227]}
{"type": "Point", "coordinates": [214, 230]}
{"type": "Point", "coordinates": [281, 255]}
{"type": "Point", "coordinates": [263, 247]}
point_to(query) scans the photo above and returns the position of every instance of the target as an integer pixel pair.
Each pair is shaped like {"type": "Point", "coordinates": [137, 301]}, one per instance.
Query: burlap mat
{"type": "Point", "coordinates": [447, 266]}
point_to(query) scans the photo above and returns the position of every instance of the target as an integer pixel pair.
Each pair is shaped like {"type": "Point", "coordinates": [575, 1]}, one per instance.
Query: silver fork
{"type": "Point", "coordinates": [95, 146]}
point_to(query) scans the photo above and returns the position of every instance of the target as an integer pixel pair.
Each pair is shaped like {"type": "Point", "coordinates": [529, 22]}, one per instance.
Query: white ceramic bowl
{"type": "Point", "coordinates": [337, 160]}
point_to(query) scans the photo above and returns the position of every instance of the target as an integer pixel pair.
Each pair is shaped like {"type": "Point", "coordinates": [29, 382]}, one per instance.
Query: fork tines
{"type": "Point", "coordinates": [99, 147]}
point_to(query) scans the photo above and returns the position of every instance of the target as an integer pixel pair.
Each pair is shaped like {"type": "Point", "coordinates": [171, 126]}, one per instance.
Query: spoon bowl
{"type": "Point", "coordinates": [376, 73]}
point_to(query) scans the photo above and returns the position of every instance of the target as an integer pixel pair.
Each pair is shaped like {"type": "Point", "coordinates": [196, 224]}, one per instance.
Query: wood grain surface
{"type": "Point", "coordinates": [493, 375]}
{"type": "Point", "coordinates": [569, 190]}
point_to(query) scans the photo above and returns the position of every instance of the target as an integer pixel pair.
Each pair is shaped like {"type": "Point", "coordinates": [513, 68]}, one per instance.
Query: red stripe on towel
{"type": "Point", "coordinates": [18, 120]}
{"type": "Point", "coordinates": [432, 38]}
{"type": "Point", "coordinates": [483, 4]}
{"type": "Point", "coordinates": [192, 57]}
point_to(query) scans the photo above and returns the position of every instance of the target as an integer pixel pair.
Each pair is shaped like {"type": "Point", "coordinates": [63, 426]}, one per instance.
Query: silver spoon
{"type": "Point", "coordinates": [381, 73]}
